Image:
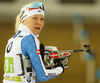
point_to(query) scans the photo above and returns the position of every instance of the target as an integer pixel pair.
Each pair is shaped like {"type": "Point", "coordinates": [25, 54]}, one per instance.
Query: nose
{"type": "Point", "coordinates": [39, 22]}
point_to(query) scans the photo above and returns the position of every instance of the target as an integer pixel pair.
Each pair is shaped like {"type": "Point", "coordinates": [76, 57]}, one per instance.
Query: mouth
{"type": "Point", "coordinates": [38, 28]}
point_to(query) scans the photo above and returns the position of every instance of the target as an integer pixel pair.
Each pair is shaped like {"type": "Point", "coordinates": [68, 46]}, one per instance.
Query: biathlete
{"type": "Point", "coordinates": [23, 62]}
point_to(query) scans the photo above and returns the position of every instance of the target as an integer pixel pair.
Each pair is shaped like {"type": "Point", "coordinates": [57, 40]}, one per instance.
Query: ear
{"type": "Point", "coordinates": [23, 22]}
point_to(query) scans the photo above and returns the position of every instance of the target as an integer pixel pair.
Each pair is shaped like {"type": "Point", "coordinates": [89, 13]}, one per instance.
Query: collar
{"type": "Point", "coordinates": [24, 28]}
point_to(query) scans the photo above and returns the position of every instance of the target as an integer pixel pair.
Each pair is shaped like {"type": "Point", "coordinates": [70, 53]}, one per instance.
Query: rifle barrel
{"type": "Point", "coordinates": [79, 50]}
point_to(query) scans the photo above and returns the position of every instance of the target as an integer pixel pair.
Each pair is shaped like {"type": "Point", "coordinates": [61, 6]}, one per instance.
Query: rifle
{"type": "Point", "coordinates": [50, 58]}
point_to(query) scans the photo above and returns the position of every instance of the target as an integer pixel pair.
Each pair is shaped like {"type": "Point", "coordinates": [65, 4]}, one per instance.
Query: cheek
{"type": "Point", "coordinates": [42, 23]}
{"type": "Point", "coordinates": [31, 24]}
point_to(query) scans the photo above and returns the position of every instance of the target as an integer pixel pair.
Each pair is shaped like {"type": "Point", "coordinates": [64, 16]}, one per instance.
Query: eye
{"type": "Point", "coordinates": [34, 18]}
{"type": "Point", "coordinates": [42, 18]}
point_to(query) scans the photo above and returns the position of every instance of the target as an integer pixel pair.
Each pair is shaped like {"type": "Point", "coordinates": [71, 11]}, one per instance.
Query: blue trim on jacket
{"type": "Point", "coordinates": [17, 34]}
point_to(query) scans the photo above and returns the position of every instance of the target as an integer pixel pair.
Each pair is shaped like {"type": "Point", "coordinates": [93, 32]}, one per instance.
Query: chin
{"type": "Point", "coordinates": [36, 33]}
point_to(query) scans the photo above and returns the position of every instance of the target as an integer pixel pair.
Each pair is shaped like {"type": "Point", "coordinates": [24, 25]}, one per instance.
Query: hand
{"type": "Point", "coordinates": [59, 64]}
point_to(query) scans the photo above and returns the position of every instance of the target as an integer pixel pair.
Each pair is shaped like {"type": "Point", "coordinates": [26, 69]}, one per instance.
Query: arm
{"type": "Point", "coordinates": [28, 47]}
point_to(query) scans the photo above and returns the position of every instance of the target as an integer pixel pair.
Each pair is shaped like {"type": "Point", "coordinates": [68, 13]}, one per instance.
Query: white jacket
{"type": "Point", "coordinates": [26, 44]}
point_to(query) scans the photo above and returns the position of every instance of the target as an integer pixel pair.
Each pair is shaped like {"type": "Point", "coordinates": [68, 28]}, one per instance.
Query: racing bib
{"type": "Point", "coordinates": [9, 65]}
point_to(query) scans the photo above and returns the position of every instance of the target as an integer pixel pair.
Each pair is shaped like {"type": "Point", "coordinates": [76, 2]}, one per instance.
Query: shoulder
{"type": "Point", "coordinates": [27, 43]}
{"type": "Point", "coordinates": [28, 38]}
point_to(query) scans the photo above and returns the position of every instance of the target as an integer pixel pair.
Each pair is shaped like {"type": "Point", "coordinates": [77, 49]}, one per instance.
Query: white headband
{"type": "Point", "coordinates": [27, 12]}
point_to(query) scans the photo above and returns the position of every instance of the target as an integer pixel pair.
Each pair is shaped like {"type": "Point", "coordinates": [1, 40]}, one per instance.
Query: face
{"type": "Point", "coordinates": [35, 23]}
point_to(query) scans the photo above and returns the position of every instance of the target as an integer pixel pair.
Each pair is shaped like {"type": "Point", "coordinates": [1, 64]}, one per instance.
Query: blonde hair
{"type": "Point", "coordinates": [18, 20]}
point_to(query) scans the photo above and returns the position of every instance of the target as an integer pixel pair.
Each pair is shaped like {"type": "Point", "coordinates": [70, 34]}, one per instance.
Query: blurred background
{"type": "Point", "coordinates": [69, 24]}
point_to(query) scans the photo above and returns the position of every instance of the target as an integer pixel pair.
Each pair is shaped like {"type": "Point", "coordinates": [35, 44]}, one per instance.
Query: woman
{"type": "Point", "coordinates": [23, 61]}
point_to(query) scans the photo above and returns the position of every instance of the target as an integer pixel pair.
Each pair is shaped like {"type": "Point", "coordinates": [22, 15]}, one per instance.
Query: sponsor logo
{"type": "Point", "coordinates": [9, 47]}
{"type": "Point", "coordinates": [29, 80]}
{"type": "Point", "coordinates": [65, 54]}
{"type": "Point", "coordinates": [54, 55]}
{"type": "Point", "coordinates": [51, 74]}
{"type": "Point", "coordinates": [39, 10]}
{"type": "Point", "coordinates": [30, 9]}
{"type": "Point", "coordinates": [38, 51]}
{"type": "Point", "coordinates": [24, 16]}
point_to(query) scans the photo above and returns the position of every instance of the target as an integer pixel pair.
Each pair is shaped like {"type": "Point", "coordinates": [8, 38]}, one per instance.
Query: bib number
{"type": "Point", "coordinates": [8, 65]}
